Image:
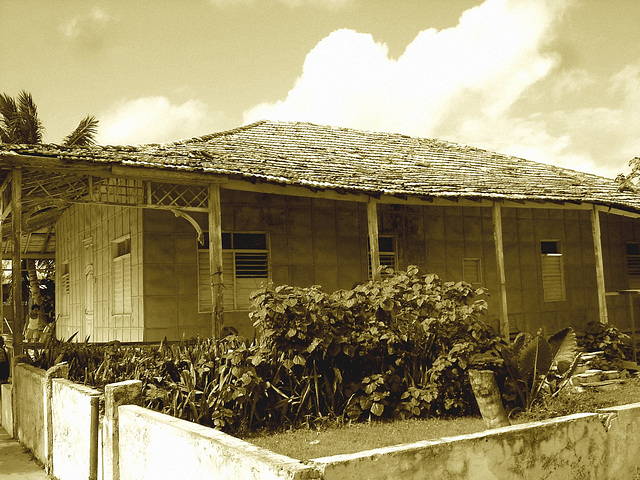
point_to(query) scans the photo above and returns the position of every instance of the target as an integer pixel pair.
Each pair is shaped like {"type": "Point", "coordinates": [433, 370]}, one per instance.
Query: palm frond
{"type": "Point", "coordinates": [84, 134]}
{"type": "Point", "coordinates": [8, 119]}
{"type": "Point", "coordinates": [30, 127]}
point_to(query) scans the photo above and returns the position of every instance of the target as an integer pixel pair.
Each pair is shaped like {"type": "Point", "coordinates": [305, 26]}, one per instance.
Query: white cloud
{"type": "Point", "coordinates": [87, 26]}
{"type": "Point", "coordinates": [155, 120]}
{"type": "Point", "coordinates": [491, 56]}
{"type": "Point", "coordinates": [461, 83]}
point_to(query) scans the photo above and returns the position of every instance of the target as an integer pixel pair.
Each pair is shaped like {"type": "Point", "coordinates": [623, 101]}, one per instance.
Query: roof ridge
{"type": "Point", "coordinates": [210, 136]}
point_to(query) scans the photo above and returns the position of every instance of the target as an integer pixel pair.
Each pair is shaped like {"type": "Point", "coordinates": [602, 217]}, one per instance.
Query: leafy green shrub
{"type": "Point", "coordinates": [607, 338]}
{"type": "Point", "coordinates": [372, 343]}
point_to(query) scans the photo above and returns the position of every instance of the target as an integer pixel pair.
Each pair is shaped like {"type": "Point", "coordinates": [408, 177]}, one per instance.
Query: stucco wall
{"type": "Point", "coordinates": [30, 421]}
{"type": "Point", "coordinates": [6, 390]}
{"type": "Point", "coordinates": [153, 446]}
{"type": "Point", "coordinates": [71, 427]}
{"type": "Point", "coordinates": [574, 447]}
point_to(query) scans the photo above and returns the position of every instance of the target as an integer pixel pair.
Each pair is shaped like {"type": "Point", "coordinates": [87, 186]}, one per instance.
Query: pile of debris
{"type": "Point", "coordinates": [588, 376]}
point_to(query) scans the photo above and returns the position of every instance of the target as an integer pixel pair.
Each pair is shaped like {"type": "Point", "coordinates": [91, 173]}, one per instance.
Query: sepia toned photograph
{"type": "Point", "coordinates": [319, 239]}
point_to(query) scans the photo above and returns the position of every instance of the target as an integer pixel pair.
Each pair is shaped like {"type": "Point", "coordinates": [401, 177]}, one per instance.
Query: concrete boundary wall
{"type": "Point", "coordinates": [75, 437]}
{"type": "Point", "coordinates": [57, 420]}
{"type": "Point", "coordinates": [30, 419]}
{"type": "Point", "coordinates": [580, 446]}
{"type": "Point", "coordinates": [154, 445]}
{"type": "Point", "coordinates": [6, 392]}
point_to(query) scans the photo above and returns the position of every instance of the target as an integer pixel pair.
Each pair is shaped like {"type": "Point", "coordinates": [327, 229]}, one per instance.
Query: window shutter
{"type": "Point", "coordinates": [122, 285]}
{"type": "Point", "coordinates": [228, 290]}
{"type": "Point", "coordinates": [471, 271]}
{"type": "Point", "coordinates": [126, 284]}
{"type": "Point", "coordinates": [552, 278]}
{"type": "Point", "coordinates": [633, 264]}
{"type": "Point", "coordinates": [204, 284]}
{"type": "Point", "coordinates": [118, 285]}
{"type": "Point", "coordinates": [245, 265]}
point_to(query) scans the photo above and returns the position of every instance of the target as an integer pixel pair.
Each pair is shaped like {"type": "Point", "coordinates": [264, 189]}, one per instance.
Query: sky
{"type": "Point", "coordinates": [555, 81]}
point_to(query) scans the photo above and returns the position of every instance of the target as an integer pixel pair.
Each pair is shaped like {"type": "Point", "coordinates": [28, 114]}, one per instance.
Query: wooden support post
{"type": "Point", "coordinates": [374, 249]}
{"type": "Point", "coordinates": [16, 260]}
{"type": "Point", "coordinates": [632, 318]}
{"type": "Point", "coordinates": [215, 259]}
{"type": "Point", "coordinates": [502, 282]}
{"type": "Point", "coordinates": [597, 247]}
{"type": "Point", "coordinates": [1, 259]}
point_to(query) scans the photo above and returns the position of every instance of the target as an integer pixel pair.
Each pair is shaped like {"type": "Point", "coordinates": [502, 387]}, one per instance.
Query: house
{"type": "Point", "coordinates": [158, 241]}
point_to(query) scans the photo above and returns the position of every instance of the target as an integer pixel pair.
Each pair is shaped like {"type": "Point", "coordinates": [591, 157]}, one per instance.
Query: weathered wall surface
{"type": "Point", "coordinates": [6, 392]}
{"type": "Point", "coordinates": [72, 406]}
{"type": "Point", "coordinates": [153, 446]}
{"type": "Point", "coordinates": [574, 447]}
{"type": "Point", "coordinates": [623, 441]}
{"type": "Point", "coordinates": [30, 421]}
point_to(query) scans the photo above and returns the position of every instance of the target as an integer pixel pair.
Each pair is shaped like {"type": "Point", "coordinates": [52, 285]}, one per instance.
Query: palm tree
{"type": "Point", "coordinates": [19, 123]}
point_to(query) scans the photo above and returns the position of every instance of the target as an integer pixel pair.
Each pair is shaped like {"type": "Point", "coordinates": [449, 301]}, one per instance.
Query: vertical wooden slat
{"type": "Point", "coordinates": [215, 259]}
{"type": "Point", "coordinates": [597, 247]}
{"type": "Point", "coordinates": [16, 260]}
{"type": "Point", "coordinates": [374, 249]}
{"type": "Point", "coordinates": [502, 282]}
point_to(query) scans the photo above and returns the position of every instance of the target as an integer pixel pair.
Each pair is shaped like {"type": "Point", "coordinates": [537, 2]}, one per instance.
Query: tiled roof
{"type": "Point", "coordinates": [350, 160]}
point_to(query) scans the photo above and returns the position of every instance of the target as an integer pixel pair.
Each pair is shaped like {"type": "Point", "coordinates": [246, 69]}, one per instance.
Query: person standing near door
{"type": "Point", "coordinates": [4, 362]}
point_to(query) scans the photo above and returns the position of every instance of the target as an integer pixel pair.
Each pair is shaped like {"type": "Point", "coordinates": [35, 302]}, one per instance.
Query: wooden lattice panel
{"type": "Point", "coordinates": [192, 196]}
{"type": "Point", "coordinates": [38, 184]}
{"type": "Point", "coordinates": [117, 191]}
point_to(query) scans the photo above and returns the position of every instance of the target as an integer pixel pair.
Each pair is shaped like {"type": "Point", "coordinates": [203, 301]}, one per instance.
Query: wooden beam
{"type": "Point", "coordinates": [374, 250]}
{"type": "Point", "coordinates": [136, 205]}
{"type": "Point", "coordinates": [215, 259]}
{"type": "Point", "coordinates": [165, 175]}
{"type": "Point", "coordinates": [617, 211]}
{"type": "Point", "coordinates": [16, 261]}
{"type": "Point", "coordinates": [597, 248]}
{"type": "Point", "coordinates": [502, 282]}
{"type": "Point", "coordinates": [38, 256]}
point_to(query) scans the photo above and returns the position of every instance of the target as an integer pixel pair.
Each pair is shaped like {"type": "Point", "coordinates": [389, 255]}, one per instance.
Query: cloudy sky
{"type": "Point", "coordinates": [549, 80]}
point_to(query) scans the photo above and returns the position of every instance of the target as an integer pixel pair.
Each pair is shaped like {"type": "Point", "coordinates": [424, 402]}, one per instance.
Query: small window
{"type": "Point", "coordinates": [549, 248]}
{"type": "Point", "coordinates": [65, 299]}
{"type": "Point", "coordinates": [552, 271]}
{"type": "Point", "coordinates": [122, 247]}
{"type": "Point", "coordinates": [472, 270]}
{"type": "Point", "coordinates": [65, 278]}
{"type": "Point", "coordinates": [633, 264]}
{"type": "Point", "coordinates": [386, 252]}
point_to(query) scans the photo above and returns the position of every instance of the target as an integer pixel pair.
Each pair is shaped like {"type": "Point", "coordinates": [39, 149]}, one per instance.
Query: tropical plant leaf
{"type": "Point", "coordinates": [535, 358]}
{"type": "Point", "coordinates": [84, 134]}
{"type": "Point", "coordinates": [564, 348]}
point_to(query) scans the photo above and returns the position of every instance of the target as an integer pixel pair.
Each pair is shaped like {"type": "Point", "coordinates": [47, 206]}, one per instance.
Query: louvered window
{"type": "Point", "coordinates": [245, 267]}
{"type": "Point", "coordinates": [472, 270]}
{"type": "Point", "coordinates": [65, 290]}
{"type": "Point", "coordinates": [122, 277]}
{"type": "Point", "coordinates": [387, 252]}
{"type": "Point", "coordinates": [633, 264]}
{"type": "Point", "coordinates": [552, 272]}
